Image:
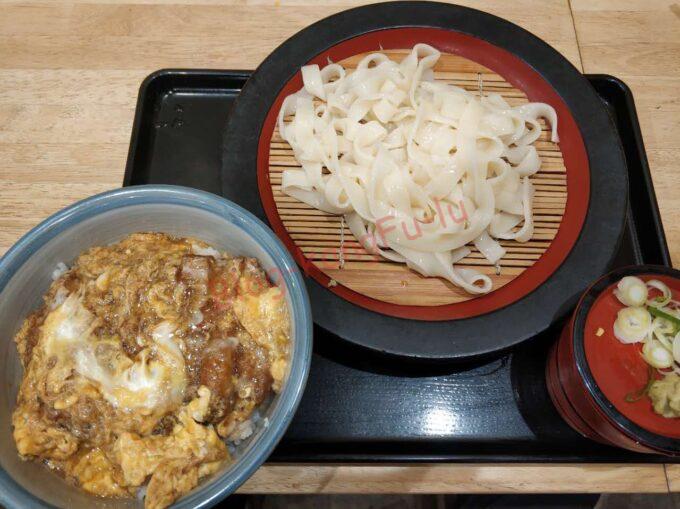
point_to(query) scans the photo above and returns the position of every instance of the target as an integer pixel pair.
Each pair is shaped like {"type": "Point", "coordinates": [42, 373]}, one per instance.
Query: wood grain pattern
{"type": "Point", "coordinates": [58, 75]}
{"type": "Point", "coordinates": [673, 477]}
{"type": "Point", "coordinates": [461, 478]}
{"type": "Point", "coordinates": [639, 42]}
{"type": "Point", "coordinates": [318, 234]}
{"type": "Point", "coordinates": [61, 85]}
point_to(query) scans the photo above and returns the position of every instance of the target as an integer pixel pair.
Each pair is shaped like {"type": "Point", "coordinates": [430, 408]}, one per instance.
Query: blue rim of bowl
{"type": "Point", "coordinates": [12, 494]}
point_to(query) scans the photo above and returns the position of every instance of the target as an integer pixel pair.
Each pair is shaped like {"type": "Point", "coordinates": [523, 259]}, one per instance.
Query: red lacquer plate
{"type": "Point", "coordinates": [524, 79]}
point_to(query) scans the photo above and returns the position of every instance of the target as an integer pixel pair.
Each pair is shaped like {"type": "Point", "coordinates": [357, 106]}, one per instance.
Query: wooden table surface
{"type": "Point", "coordinates": [69, 75]}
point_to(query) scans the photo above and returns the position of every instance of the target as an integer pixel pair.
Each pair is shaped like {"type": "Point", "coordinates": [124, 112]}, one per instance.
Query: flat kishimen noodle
{"type": "Point", "coordinates": [418, 168]}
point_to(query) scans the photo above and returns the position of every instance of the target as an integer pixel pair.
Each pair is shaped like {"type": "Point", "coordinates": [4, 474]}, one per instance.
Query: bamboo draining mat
{"type": "Point", "coordinates": [318, 234]}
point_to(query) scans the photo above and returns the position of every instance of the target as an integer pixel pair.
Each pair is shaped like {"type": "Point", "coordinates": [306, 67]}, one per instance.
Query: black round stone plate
{"type": "Point", "coordinates": [465, 338]}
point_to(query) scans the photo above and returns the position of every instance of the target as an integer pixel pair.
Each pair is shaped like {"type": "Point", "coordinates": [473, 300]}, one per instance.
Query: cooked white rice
{"type": "Point", "coordinates": [59, 271]}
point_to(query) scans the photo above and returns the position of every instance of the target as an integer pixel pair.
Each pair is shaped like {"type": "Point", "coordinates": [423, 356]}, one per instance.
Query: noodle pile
{"type": "Point", "coordinates": [419, 169]}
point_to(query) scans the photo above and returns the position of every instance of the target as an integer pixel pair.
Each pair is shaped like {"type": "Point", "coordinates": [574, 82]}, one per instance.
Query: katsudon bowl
{"type": "Point", "coordinates": [26, 272]}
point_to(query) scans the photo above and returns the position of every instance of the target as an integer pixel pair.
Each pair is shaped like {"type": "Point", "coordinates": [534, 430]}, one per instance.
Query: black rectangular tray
{"type": "Point", "coordinates": [360, 408]}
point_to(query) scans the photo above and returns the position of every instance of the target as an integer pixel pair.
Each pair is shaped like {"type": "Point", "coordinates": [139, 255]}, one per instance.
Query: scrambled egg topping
{"type": "Point", "coordinates": [145, 355]}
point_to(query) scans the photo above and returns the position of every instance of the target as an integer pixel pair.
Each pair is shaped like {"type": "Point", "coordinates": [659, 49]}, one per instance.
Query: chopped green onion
{"type": "Point", "coordinates": [631, 291]}
{"type": "Point", "coordinates": [660, 313]}
{"type": "Point", "coordinates": [632, 324]}
{"type": "Point", "coordinates": [657, 355]}
{"type": "Point", "coordinates": [666, 294]}
{"type": "Point", "coordinates": [654, 321]}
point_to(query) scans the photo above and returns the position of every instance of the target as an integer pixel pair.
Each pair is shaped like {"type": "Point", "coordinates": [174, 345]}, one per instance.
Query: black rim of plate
{"type": "Point", "coordinates": [637, 432]}
{"type": "Point", "coordinates": [490, 333]}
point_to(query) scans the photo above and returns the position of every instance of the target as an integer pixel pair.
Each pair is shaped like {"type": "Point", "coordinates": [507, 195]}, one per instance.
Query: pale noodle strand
{"type": "Point", "coordinates": [419, 169]}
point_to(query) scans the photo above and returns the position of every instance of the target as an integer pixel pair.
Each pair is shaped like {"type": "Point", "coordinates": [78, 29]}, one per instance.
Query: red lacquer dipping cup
{"type": "Point", "coordinates": [589, 376]}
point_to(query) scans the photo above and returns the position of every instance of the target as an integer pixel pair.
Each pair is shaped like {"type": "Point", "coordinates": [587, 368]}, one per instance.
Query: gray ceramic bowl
{"type": "Point", "coordinates": [25, 274]}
